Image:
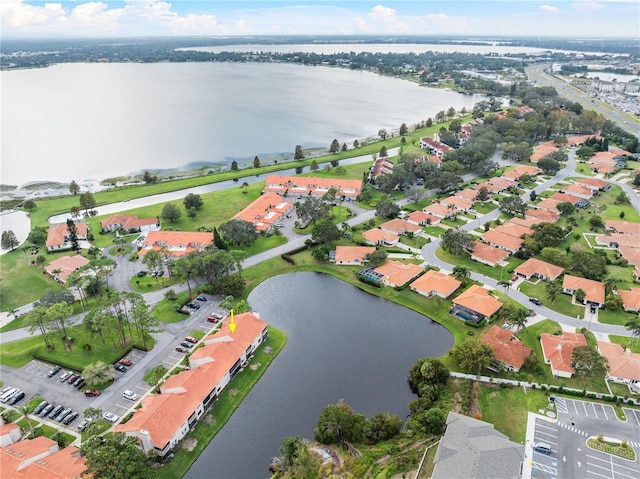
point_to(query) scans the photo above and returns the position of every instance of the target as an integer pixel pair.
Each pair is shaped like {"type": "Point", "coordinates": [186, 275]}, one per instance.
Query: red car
{"type": "Point", "coordinates": [92, 393]}
{"type": "Point", "coordinates": [191, 339]}
{"type": "Point", "coordinates": [126, 362]}
{"type": "Point", "coordinates": [180, 349]}
{"type": "Point", "coordinates": [514, 278]}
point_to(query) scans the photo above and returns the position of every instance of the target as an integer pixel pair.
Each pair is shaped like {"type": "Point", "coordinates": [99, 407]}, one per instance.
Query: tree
{"type": "Point", "coordinates": [298, 155]}
{"type": "Point", "coordinates": [472, 355]}
{"type": "Point", "coordinates": [239, 232]}
{"type": "Point", "coordinates": [512, 205]}
{"type": "Point", "coordinates": [519, 318]}
{"type": "Point", "coordinates": [553, 288]}
{"type": "Point", "coordinates": [387, 208]}
{"type": "Point", "coordinates": [37, 320]}
{"type": "Point", "coordinates": [377, 258]}
{"type": "Point", "coordinates": [506, 284]}
{"type": "Point", "coordinates": [548, 234]}
{"type": "Point", "coordinates": [383, 152]}
{"type": "Point", "coordinates": [73, 235]}
{"type": "Point", "coordinates": [356, 144]}
{"type": "Point", "coordinates": [314, 166]}
{"type": "Point", "coordinates": [149, 178]}
{"type": "Point", "coordinates": [116, 456]}
{"type": "Point", "coordinates": [87, 201]}
{"type": "Point", "coordinates": [58, 316]}
{"type": "Point", "coordinates": [403, 129]}
{"type": "Point", "coordinates": [456, 241]}
{"type": "Point", "coordinates": [596, 222]}
{"type": "Point", "coordinates": [312, 210]}
{"type": "Point", "coordinates": [234, 165]}
{"type": "Point", "coordinates": [451, 112]}
{"type": "Point", "coordinates": [170, 212]}
{"type": "Point", "coordinates": [193, 200]}
{"type": "Point", "coordinates": [382, 133]}
{"type": "Point", "coordinates": [587, 362]}
{"type": "Point", "coordinates": [186, 268]}
{"type": "Point", "coordinates": [335, 146]}
{"type": "Point", "coordinates": [144, 322]}
{"type": "Point", "coordinates": [29, 205]}
{"type": "Point", "coordinates": [580, 295]}
{"type": "Point", "coordinates": [381, 427]}
{"type": "Point", "coordinates": [153, 261]}
{"type": "Point", "coordinates": [415, 194]}
{"type": "Point", "coordinates": [9, 240]}
{"type": "Point", "coordinates": [483, 194]}
{"type": "Point", "coordinates": [443, 180]}
{"type": "Point", "coordinates": [633, 325]}
{"type": "Point", "coordinates": [549, 165]}
{"type": "Point", "coordinates": [256, 162]}
{"type": "Point", "coordinates": [98, 373]}
{"type": "Point", "coordinates": [566, 208]}
{"type": "Point", "coordinates": [73, 187]}
{"type": "Point", "coordinates": [325, 231]}
{"type": "Point", "coordinates": [461, 273]}
{"type": "Point", "coordinates": [338, 423]}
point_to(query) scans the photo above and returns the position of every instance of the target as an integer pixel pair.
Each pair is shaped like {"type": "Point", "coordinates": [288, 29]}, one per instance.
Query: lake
{"type": "Point", "coordinates": [342, 343]}
{"type": "Point", "coordinates": [95, 121]}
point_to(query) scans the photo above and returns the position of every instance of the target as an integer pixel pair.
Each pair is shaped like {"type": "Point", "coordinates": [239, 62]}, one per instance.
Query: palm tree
{"type": "Point", "coordinates": [519, 318]}
{"type": "Point", "coordinates": [553, 288]}
{"type": "Point", "coordinates": [506, 284]}
{"type": "Point", "coordinates": [461, 273]}
{"type": "Point", "coordinates": [55, 273]}
{"type": "Point", "coordinates": [25, 411]}
{"type": "Point", "coordinates": [633, 325]}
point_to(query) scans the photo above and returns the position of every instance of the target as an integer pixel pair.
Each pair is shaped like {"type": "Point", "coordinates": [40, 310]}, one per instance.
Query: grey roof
{"type": "Point", "coordinates": [471, 448]}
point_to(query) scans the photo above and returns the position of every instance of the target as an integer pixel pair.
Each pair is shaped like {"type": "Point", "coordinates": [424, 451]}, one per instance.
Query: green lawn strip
{"type": "Point", "coordinates": [436, 231]}
{"type": "Point", "coordinates": [165, 310]}
{"type": "Point", "coordinates": [562, 303]}
{"type": "Point", "coordinates": [632, 344]}
{"type": "Point", "coordinates": [120, 250]}
{"type": "Point", "coordinates": [507, 408]}
{"type": "Point", "coordinates": [493, 272]}
{"type": "Point", "coordinates": [222, 410]}
{"type": "Point", "coordinates": [27, 424]}
{"type": "Point", "coordinates": [145, 284]}
{"type": "Point", "coordinates": [18, 353]}
{"type": "Point", "coordinates": [484, 208]}
{"type": "Point", "coordinates": [619, 389]}
{"type": "Point", "coordinates": [415, 242]}
{"type": "Point", "coordinates": [620, 318]}
{"type": "Point", "coordinates": [50, 432]}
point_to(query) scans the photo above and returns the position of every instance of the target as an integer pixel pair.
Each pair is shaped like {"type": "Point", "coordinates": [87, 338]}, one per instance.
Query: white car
{"type": "Point", "coordinates": [130, 395]}
{"type": "Point", "coordinates": [109, 416]}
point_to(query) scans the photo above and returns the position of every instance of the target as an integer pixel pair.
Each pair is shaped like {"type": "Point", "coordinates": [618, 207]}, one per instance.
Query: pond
{"type": "Point", "coordinates": [342, 343]}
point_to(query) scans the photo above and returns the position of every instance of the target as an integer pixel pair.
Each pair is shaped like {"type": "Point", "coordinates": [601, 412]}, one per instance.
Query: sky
{"type": "Point", "coordinates": [573, 18]}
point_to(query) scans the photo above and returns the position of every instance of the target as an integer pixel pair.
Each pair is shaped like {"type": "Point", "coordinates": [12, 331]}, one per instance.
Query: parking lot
{"type": "Point", "coordinates": [594, 410]}
{"type": "Point", "coordinates": [543, 466]}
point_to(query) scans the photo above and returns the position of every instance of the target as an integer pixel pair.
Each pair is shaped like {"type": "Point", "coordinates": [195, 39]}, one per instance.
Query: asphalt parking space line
{"type": "Point", "coordinates": [622, 466]}
{"type": "Point", "coordinates": [542, 426]}
{"type": "Point", "coordinates": [593, 406]}
{"type": "Point", "coordinates": [142, 388]}
{"type": "Point", "coordinates": [593, 473]}
{"type": "Point", "coordinates": [636, 416]}
{"type": "Point", "coordinates": [584, 406]}
{"type": "Point", "coordinates": [604, 410]}
{"type": "Point", "coordinates": [618, 474]}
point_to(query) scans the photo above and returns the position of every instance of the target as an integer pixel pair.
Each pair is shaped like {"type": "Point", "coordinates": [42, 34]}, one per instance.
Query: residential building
{"type": "Point", "coordinates": [16, 457]}
{"type": "Point", "coordinates": [440, 211]}
{"type": "Point", "coordinates": [376, 236]}
{"type": "Point", "coordinates": [458, 203]}
{"type": "Point", "coordinates": [473, 449]}
{"type": "Point", "coordinates": [62, 267]}
{"type": "Point", "coordinates": [632, 255]}
{"type": "Point", "coordinates": [397, 274]}
{"type": "Point", "coordinates": [381, 166]}
{"type": "Point", "coordinates": [544, 216]}
{"type": "Point", "coordinates": [9, 434]}
{"type": "Point", "coordinates": [421, 218]}
{"type": "Point", "coordinates": [580, 191]}
{"type": "Point", "coordinates": [542, 150]}
{"type": "Point", "coordinates": [435, 283]}
{"type": "Point", "coordinates": [58, 235]}
{"type": "Point", "coordinates": [574, 200]}
{"type": "Point", "coordinates": [66, 463]}
{"type": "Point", "coordinates": [164, 419]}
{"type": "Point", "coordinates": [399, 227]}
{"type": "Point", "coordinates": [467, 194]}
{"type": "Point", "coordinates": [130, 223]}
{"type": "Point", "coordinates": [624, 366]}
{"type": "Point", "coordinates": [623, 227]}
{"type": "Point", "coordinates": [630, 299]}
{"type": "Point", "coordinates": [549, 205]}
{"type": "Point", "coordinates": [617, 240]}
{"type": "Point", "coordinates": [435, 147]}
{"type": "Point", "coordinates": [539, 269]}
{"type": "Point", "coordinates": [514, 229]}
{"type": "Point", "coordinates": [580, 139]}
{"type": "Point", "coordinates": [311, 186]}
{"type": "Point", "coordinates": [487, 254]}
{"type": "Point", "coordinates": [266, 211]}
{"type": "Point", "coordinates": [528, 222]}
{"type": "Point", "coordinates": [502, 182]}
{"type": "Point", "coordinates": [593, 183]}
{"type": "Point", "coordinates": [558, 351]}
{"type": "Point", "coordinates": [594, 290]}
{"type": "Point", "coordinates": [503, 241]}
{"type": "Point", "coordinates": [475, 304]}
{"type": "Point", "coordinates": [177, 243]}
{"type": "Point", "coordinates": [352, 255]}
{"type": "Point", "coordinates": [493, 189]}
{"type": "Point", "coordinates": [506, 347]}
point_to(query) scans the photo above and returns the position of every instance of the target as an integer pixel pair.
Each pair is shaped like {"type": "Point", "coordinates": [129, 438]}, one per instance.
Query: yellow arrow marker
{"type": "Point", "coordinates": [232, 325]}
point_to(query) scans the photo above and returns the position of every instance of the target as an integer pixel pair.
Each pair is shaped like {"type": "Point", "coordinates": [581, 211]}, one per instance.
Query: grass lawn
{"type": "Point", "coordinates": [492, 272]}
{"type": "Point", "coordinates": [165, 311]}
{"type": "Point", "coordinates": [145, 284]}
{"type": "Point", "coordinates": [614, 317]}
{"type": "Point", "coordinates": [18, 353]}
{"type": "Point", "coordinates": [507, 408]}
{"type": "Point", "coordinates": [434, 231]}
{"type": "Point", "coordinates": [222, 409]}
{"type": "Point", "coordinates": [415, 242]}
{"type": "Point", "coordinates": [562, 303]}
{"type": "Point", "coordinates": [484, 208]}
{"type": "Point", "coordinates": [632, 344]}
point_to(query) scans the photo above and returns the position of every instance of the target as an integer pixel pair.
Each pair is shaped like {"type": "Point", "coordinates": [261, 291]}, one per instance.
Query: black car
{"type": "Point", "coordinates": [77, 381]}
{"type": "Point", "coordinates": [536, 301]}
{"type": "Point", "coordinates": [593, 309]}
{"type": "Point", "coordinates": [53, 371]}
{"type": "Point", "coordinates": [201, 298]}
{"type": "Point", "coordinates": [70, 418]}
{"type": "Point", "coordinates": [121, 368]}
{"type": "Point", "coordinates": [16, 398]}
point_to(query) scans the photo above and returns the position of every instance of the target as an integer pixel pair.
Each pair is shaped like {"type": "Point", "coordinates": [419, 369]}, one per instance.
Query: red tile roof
{"type": "Point", "coordinates": [559, 349]}
{"type": "Point", "coordinates": [533, 265]}
{"type": "Point", "coordinates": [622, 364]}
{"type": "Point", "coordinates": [422, 218]}
{"type": "Point", "coordinates": [632, 255]}
{"type": "Point", "coordinates": [399, 226]}
{"type": "Point", "coordinates": [592, 182]}
{"type": "Point", "coordinates": [506, 347]}
{"type": "Point", "coordinates": [56, 234]}
{"type": "Point", "coordinates": [594, 290]}
{"type": "Point", "coordinates": [376, 236]}
{"type": "Point", "coordinates": [127, 221]}
{"type": "Point", "coordinates": [439, 210]}
{"type": "Point", "coordinates": [488, 254]}
{"type": "Point", "coordinates": [624, 227]}
{"type": "Point", "coordinates": [624, 240]}
{"type": "Point", "coordinates": [435, 282]}
{"type": "Point", "coordinates": [562, 197]}
{"type": "Point", "coordinates": [64, 464]}
{"type": "Point", "coordinates": [303, 185]}
{"type": "Point", "coordinates": [349, 254]}
{"type": "Point", "coordinates": [514, 229]}
{"type": "Point", "coordinates": [578, 190]}
{"type": "Point", "coordinates": [542, 150]}
{"type": "Point", "coordinates": [179, 243]}
{"type": "Point", "coordinates": [543, 215]}
{"type": "Point", "coordinates": [467, 193]}
{"type": "Point", "coordinates": [497, 238]}
{"type": "Point", "coordinates": [462, 204]}
{"type": "Point", "coordinates": [66, 265]}
{"type": "Point", "coordinates": [397, 273]}
{"type": "Point", "coordinates": [478, 299]}
{"type": "Point", "coordinates": [630, 299]}
{"type": "Point", "coordinates": [265, 211]}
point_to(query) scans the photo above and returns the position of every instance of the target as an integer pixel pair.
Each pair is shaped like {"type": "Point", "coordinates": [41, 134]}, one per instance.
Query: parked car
{"type": "Point", "coordinates": [536, 301]}
{"type": "Point", "coordinates": [514, 278]}
{"type": "Point", "coordinates": [201, 298]}
{"type": "Point", "coordinates": [92, 393]}
{"type": "Point", "coordinates": [191, 339]}
{"type": "Point", "coordinates": [64, 413]}
{"type": "Point", "coordinates": [70, 418]}
{"type": "Point", "coordinates": [120, 367]}
{"type": "Point", "coordinates": [77, 382]}
{"type": "Point", "coordinates": [47, 409]}
{"type": "Point", "coordinates": [83, 424]}
{"type": "Point", "coordinates": [109, 416]}
{"type": "Point", "coordinates": [186, 344]}
{"type": "Point", "coordinates": [215, 317]}
{"type": "Point", "coordinates": [180, 349]}
{"type": "Point", "coordinates": [53, 371]}
{"type": "Point", "coordinates": [126, 362]}
{"type": "Point", "coordinates": [193, 305]}
{"type": "Point", "coordinates": [65, 376]}
{"type": "Point", "coordinates": [71, 378]}
{"type": "Point", "coordinates": [279, 225]}
{"type": "Point", "coordinates": [55, 411]}
{"type": "Point", "coordinates": [16, 398]}
{"type": "Point", "coordinates": [40, 407]}
{"type": "Point", "coordinates": [592, 308]}
{"type": "Point", "coordinates": [130, 395]}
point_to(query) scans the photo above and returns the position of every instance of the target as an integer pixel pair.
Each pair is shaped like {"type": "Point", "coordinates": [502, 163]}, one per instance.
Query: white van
{"type": "Point", "coordinates": [542, 447]}
{"type": "Point", "coordinates": [9, 394]}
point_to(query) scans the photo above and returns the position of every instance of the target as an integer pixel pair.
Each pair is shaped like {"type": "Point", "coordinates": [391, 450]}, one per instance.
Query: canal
{"type": "Point", "coordinates": [342, 343]}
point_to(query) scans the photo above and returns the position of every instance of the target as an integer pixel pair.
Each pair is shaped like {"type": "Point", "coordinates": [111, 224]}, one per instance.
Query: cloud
{"type": "Point", "coordinates": [382, 20]}
{"type": "Point", "coordinates": [548, 8]}
{"type": "Point", "coordinates": [586, 5]}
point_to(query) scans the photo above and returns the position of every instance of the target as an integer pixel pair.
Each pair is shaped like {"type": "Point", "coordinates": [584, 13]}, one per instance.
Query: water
{"type": "Point", "coordinates": [80, 121]}
{"type": "Point", "coordinates": [342, 343]}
